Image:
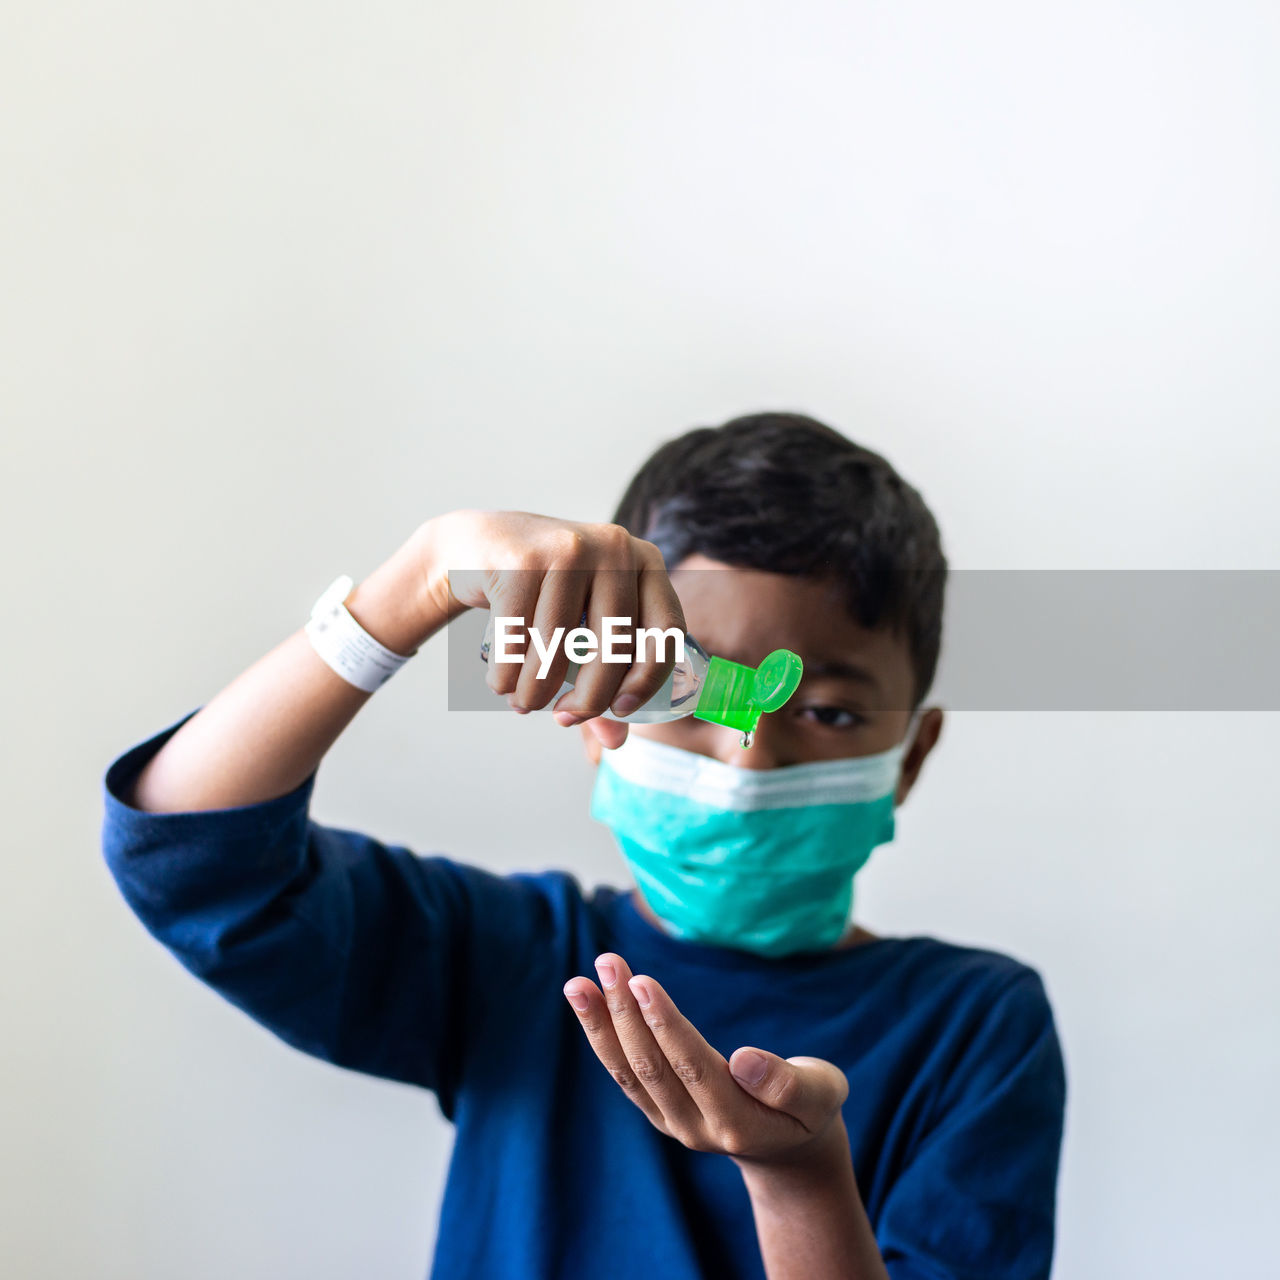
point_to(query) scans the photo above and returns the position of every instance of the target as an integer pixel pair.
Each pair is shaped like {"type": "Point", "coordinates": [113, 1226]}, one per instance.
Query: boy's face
{"type": "Point", "coordinates": [854, 699]}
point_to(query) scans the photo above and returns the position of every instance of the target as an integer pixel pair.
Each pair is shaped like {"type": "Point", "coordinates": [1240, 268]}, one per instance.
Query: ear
{"type": "Point", "coordinates": [927, 733]}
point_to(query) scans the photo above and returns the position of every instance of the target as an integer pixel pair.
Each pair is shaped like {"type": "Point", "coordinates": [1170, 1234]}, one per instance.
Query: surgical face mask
{"type": "Point", "coordinates": [760, 860]}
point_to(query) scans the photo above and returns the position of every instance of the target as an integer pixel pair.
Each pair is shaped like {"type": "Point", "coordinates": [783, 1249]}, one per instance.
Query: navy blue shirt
{"type": "Point", "coordinates": [422, 969]}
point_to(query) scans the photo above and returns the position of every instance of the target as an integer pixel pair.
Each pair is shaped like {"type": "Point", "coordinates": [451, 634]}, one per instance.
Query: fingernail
{"type": "Point", "coordinates": [607, 973]}
{"type": "Point", "coordinates": [567, 718]}
{"type": "Point", "coordinates": [577, 998]}
{"type": "Point", "coordinates": [641, 992]}
{"type": "Point", "coordinates": [751, 1067]}
{"type": "Point", "coordinates": [625, 703]}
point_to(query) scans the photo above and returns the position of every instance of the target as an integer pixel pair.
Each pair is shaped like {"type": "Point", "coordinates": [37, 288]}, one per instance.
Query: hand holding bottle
{"type": "Point", "coordinates": [550, 572]}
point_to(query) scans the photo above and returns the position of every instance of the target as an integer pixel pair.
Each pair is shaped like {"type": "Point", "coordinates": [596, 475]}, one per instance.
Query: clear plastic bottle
{"type": "Point", "coordinates": [701, 685]}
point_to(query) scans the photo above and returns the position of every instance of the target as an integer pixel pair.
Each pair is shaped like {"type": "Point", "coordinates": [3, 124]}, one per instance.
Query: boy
{"type": "Point", "coordinates": [889, 1106]}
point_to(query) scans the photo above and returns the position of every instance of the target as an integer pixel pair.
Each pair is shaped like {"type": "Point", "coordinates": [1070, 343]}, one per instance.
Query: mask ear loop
{"type": "Point", "coordinates": [908, 741]}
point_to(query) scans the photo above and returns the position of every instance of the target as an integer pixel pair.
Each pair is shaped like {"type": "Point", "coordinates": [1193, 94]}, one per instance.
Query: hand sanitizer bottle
{"type": "Point", "coordinates": [710, 688]}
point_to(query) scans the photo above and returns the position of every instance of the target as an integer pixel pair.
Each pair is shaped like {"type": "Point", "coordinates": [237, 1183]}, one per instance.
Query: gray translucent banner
{"type": "Point", "coordinates": [1032, 640]}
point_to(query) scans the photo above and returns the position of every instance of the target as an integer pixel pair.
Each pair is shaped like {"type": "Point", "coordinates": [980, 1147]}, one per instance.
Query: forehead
{"type": "Point", "coordinates": [743, 614]}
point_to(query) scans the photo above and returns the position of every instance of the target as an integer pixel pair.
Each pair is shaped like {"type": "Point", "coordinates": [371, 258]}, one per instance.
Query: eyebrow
{"type": "Point", "coordinates": [834, 667]}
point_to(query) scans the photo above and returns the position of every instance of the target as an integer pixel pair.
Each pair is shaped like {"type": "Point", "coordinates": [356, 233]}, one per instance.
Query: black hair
{"type": "Point", "coordinates": [785, 493]}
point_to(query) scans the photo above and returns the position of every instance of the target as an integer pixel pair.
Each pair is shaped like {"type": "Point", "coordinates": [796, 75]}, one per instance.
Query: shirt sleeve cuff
{"type": "Point", "coordinates": [178, 859]}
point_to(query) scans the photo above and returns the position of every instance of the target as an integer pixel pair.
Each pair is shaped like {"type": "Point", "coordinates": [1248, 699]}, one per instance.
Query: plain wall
{"type": "Point", "coordinates": [280, 282]}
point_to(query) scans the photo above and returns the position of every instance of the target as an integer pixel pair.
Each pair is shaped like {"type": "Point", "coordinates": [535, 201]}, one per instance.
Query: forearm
{"type": "Point", "coordinates": [810, 1220]}
{"type": "Point", "coordinates": [267, 730]}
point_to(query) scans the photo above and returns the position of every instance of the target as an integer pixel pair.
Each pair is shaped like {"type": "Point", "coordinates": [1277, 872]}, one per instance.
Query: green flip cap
{"type": "Point", "coordinates": [738, 696]}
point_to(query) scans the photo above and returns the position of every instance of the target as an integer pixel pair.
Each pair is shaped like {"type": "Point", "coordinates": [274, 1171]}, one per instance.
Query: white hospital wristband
{"type": "Point", "coordinates": [345, 645]}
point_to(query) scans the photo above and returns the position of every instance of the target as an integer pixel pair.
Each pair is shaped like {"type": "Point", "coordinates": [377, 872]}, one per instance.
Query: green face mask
{"type": "Point", "coordinates": [760, 860]}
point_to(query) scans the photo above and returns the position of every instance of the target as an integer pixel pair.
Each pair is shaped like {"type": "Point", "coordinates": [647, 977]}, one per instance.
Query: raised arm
{"type": "Point", "coordinates": [264, 733]}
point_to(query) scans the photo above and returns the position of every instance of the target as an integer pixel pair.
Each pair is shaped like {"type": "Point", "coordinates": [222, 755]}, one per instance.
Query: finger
{"type": "Point", "coordinates": [512, 594]}
{"type": "Point", "coordinates": [610, 733]}
{"type": "Point", "coordinates": [807, 1089]}
{"type": "Point", "coordinates": [597, 1022]}
{"type": "Point", "coordinates": [612, 595]}
{"type": "Point", "coordinates": [658, 606]}
{"type": "Point", "coordinates": [701, 1069]}
{"type": "Point", "coordinates": [561, 597]}
{"type": "Point", "coordinates": [661, 1077]}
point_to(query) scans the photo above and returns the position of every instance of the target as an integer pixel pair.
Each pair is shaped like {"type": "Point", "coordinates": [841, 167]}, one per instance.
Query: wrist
{"type": "Point", "coordinates": [824, 1162]}
{"type": "Point", "coordinates": [394, 604]}
{"type": "Point", "coordinates": [809, 1214]}
{"type": "Point", "coordinates": [429, 549]}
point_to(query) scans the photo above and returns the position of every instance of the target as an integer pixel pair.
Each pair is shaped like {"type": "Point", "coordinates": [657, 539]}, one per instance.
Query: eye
{"type": "Point", "coordinates": [831, 717]}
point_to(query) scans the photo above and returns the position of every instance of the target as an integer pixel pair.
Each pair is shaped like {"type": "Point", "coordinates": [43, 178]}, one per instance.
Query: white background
{"type": "Point", "coordinates": [279, 282]}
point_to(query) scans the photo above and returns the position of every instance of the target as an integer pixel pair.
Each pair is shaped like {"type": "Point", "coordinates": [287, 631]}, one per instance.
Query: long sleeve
{"type": "Point", "coordinates": [351, 950]}
{"type": "Point", "coordinates": [977, 1199]}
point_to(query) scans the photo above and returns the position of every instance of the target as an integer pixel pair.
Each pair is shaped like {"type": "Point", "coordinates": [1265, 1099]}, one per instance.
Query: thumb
{"type": "Point", "coordinates": [808, 1089]}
